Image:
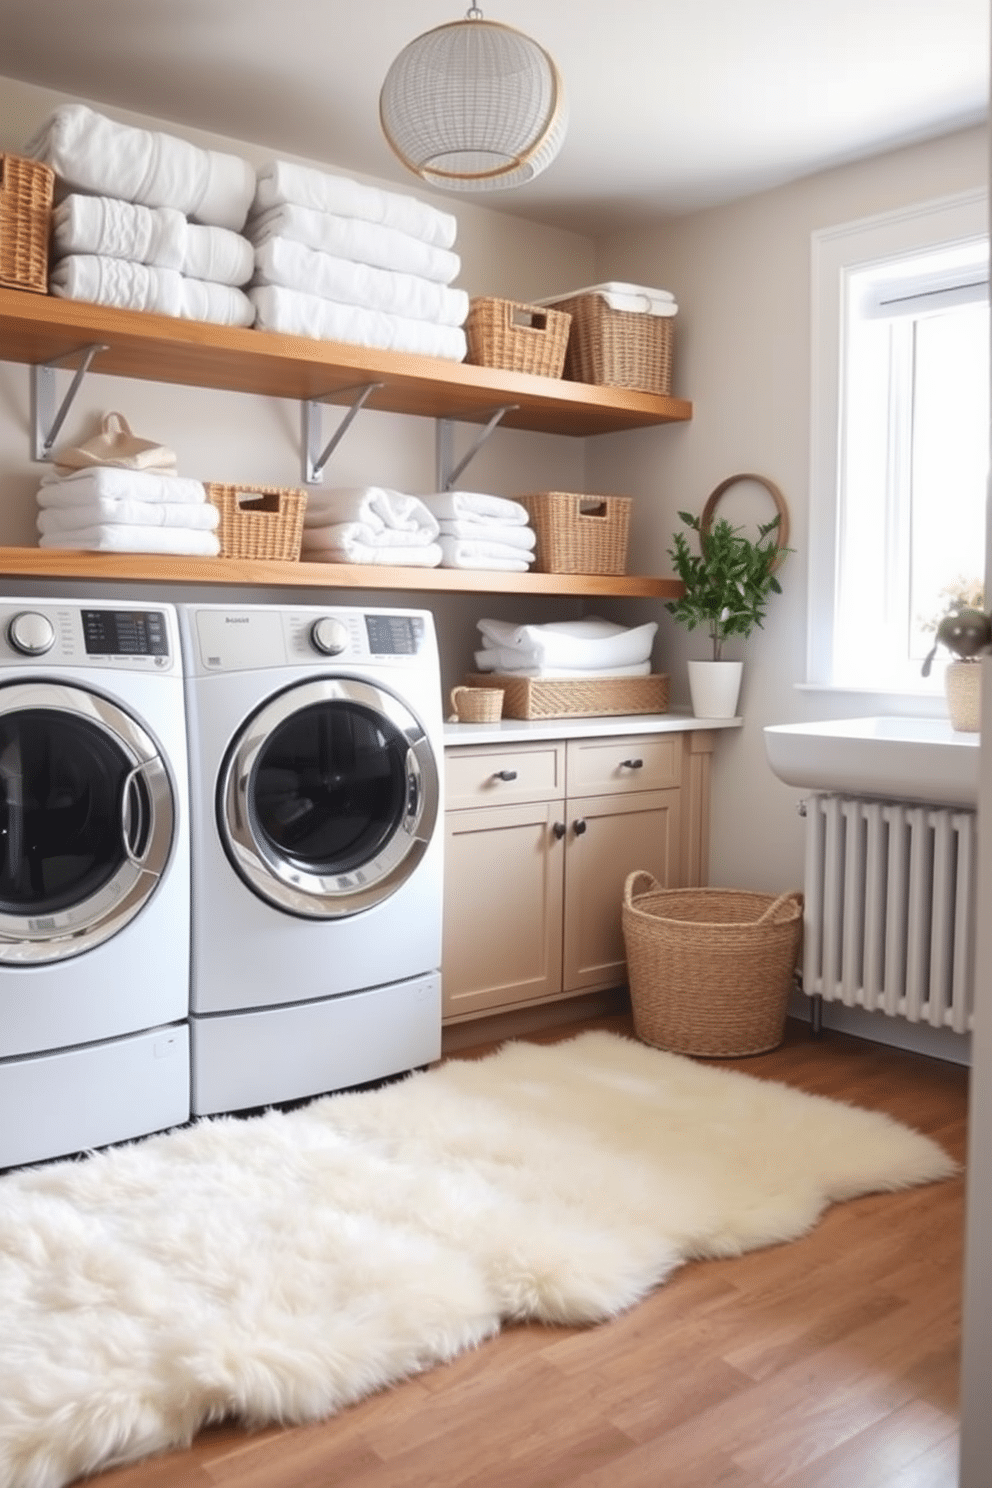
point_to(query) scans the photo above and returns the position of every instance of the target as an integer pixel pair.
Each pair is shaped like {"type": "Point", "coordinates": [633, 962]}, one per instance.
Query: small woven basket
{"type": "Point", "coordinates": [516, 337]}
{"type": "Point", "coordinates": [553, 697]}
{"type": "Point", "coordinates": [579, 534]}
{"type": "Point", "coordinates": [710, 970]}
{"type": "Point", "coordinates": [618, 348]}
{"type": "Point", "coordinates": [259, 521]}
{"type": "Point", "coordinates": [26, 190]}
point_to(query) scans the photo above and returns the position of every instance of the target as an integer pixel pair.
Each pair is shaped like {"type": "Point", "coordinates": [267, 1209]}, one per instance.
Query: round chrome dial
{"type": "Point", "coordinates": [31, 633]}
{"type": "Point", "coordinates": [329, 636]}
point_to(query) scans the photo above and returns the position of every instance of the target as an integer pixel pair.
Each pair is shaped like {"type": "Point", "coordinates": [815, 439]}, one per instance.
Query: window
{"type": "Point", "coordinates": [900, 440]}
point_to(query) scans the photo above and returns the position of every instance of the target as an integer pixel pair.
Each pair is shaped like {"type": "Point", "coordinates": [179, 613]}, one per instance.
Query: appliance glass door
{"type": "Point", "coordinates": [329, 798]}
{"type": "Point", "coordinates": [86, 821]}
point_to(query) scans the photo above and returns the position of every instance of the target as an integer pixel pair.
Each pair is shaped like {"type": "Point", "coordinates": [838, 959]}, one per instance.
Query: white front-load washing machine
{"type": "Point", "coordinates": [94, 876]}
{"type": "Point", "coordinates": [316, 757]}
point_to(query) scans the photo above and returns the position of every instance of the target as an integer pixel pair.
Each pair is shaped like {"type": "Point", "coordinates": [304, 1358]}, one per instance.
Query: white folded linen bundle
{"type": "Point", "coordinates": [524, 538]}
{"type": "Point", "coordinates": [350, 237]}
{"type": "Point", "coordinates": [113, 537]}
{"type": "Point", "coordinates": [477, 506]}
{"type": "Point", "coordinates": [282, 183]}
{"type": "Point", "coordinates": [105, 510]}
{"type": "Point", "coordinates": [343, 543]}
{"type": "Point", "coordinates": [490, 661]}
{"type": "Point", "coordinates": [585, 645]}
{"type": "Point", "coordinates": [101, 280]}
{"type": "Point", "coordinates": [158, 236]}
{"type": "Point", "coordinates": [294, 266]}
{"type": "Point", "coordinates": [297, 314]}
{"type": "Point", "coordinates": [458, 552]}
{"type": "Point", "coordinates": [116, 483]}
{"type": "Point", "coordinates": [89, 152]}
{"type": "Point", "coordinates": [630, 297]}
{"type": "Point", "coordinates": [392, 515]}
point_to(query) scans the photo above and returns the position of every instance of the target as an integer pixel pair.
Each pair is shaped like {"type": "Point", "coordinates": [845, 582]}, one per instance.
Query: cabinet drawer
{"type": "Point", "coordinates": [482, 776]}
{"type": "Point", "coordinates": [635, 762]}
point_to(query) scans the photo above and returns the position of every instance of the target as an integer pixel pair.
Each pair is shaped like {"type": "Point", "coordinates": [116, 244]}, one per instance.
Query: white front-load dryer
{"type": "Point", "coordinates": [316, 756]}
{"type": "Point", "coordinates": [94, 876]}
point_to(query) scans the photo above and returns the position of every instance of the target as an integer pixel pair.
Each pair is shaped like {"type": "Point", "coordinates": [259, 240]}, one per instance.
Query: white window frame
{"type": "Point", "coordinates": [837, 253]}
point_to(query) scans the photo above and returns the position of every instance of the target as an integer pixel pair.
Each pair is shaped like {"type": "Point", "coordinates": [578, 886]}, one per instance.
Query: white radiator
{"type": "Point", "coordinates": [890, 908]}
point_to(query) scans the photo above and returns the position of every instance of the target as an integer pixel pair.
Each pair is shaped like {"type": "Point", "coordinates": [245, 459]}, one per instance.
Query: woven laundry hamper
{"type": "Point", "coordinates": [710, 970]}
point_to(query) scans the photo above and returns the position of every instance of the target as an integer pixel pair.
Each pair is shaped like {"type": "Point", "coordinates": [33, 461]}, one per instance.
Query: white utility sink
{"type": "Point", "coordinates": [903, 759]}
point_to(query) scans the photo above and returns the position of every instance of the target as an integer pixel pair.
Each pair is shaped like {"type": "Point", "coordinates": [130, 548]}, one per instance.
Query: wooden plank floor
{"type": "Point", "coordinates": [830, 1362]}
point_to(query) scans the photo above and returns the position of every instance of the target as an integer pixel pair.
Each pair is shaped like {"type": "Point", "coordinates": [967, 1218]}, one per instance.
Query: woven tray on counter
{"type": "Point", "coordinates": [568, 697]}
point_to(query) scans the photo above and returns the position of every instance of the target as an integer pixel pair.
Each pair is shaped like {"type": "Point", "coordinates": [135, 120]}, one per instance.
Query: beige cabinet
{"type": "Point", "coordinates": [539, 841]}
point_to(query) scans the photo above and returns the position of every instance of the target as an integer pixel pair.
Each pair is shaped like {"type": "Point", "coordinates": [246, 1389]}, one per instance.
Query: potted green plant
{"type": "Point", "coordinates": [727, 584]}
{"type": "Point", "coordinates": [966, 631]}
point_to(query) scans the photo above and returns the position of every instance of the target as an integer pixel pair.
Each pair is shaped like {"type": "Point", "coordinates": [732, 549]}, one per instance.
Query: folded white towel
{"type": "Point", "coordinates": [340, 545]}
{"type": "Point", "coordinates": [362, 242]}
{"type": "Point", "coordinates": [457, 553]}
{"type": "Point", "coordinates": [101, 510]}
{"type": "Point", "coordinates": [90, 152]}
{"type": "Point", "coordinates": [282, 182]}
{"type": "Point", "coordinates": [297, 314]}
{"type": "Point", "coordinates": [490, 661]}
{"type": "Point", "coordinates": [294, 266]}
{"type": "Point", "coordinates": [490, 532]}
{"type": "Point", "coordinates": [114, 483]}
{"type": "Point", "coordinates": [476, 506]}
{"type": "Point", "coordinates": [379, 509]}
{"type": "Point", "coordinates": [635, 297]}
{"type": "Point", "coordinates": [114, 537]}
{"type": "Point", "coordinates": [159, 236]}
{"type": "Point", "coordinates": [133, 286]}
{"type": "Point", "coordinates": [554, 645]}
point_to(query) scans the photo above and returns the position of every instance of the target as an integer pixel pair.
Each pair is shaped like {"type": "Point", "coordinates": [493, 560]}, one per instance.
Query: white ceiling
{"type": "Point", "coordinates": [673, 104]}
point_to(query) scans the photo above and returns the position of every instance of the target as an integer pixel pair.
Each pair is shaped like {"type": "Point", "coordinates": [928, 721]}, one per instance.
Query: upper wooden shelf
{"type": "Point", "coordinates": [56, 563]}
{"type": "Point", "coordinates": [39, 328]}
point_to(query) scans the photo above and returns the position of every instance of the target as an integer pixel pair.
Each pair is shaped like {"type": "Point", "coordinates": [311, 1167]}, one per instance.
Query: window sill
{"type": "Point", "coordinates": [880, 700]}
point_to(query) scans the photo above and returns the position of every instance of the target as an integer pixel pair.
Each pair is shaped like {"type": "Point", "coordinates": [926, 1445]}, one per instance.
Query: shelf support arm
{"type": "Point", "coordinates": [447, 472]}
{"type": "Point", "coordinates": [315, 458]}
{"type": "Point", "coordinates": [46, 419]}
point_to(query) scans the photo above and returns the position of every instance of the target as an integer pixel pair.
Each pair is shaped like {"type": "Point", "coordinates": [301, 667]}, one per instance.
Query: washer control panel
{"type": "Point", "coordinates": [53, 632]}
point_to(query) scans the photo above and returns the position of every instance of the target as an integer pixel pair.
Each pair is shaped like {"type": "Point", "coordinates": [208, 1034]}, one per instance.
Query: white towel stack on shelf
{"type": "Point", "coordinates": [337, 260]}
{"type": "Point", "coordinates": [567, 648]}
{"type": "Point", "coordinates": [146, 221]}
{"type": "Point", "coordinates": [369, 524]}
{"type": "Point", "coordinates": [108, 509]}
{"type": "Point", "coordinates": [482, 531]}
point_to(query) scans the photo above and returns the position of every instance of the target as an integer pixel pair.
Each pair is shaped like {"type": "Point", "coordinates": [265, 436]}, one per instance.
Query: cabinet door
{"type": "Point", "coordinates": [620, 834]}
{"type": "Point", "coordinates": [502, 907]}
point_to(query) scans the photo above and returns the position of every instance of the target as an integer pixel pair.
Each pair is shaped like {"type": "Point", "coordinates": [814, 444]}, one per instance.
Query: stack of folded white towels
{"type": "Point", "coordinates": [145, 220]}
{"type": "Point", "coordinates": [482, 531]}
{"type": "Point", "coordinates": [369, 524]}
{"type": "Point", "coordinates": [110, 509]}
{"type": "Point", "coordinates": [337, 260]}
{"type": "Point", "coordinates": [567, 648]}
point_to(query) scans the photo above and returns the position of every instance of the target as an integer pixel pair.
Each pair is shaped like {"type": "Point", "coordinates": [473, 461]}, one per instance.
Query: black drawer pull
{"type": "Point", "coordinates": [578, 827]}
{"type": "Point", "coordinates": [505, 775]}
{"type": "Point", "coordinates": [632, 764]}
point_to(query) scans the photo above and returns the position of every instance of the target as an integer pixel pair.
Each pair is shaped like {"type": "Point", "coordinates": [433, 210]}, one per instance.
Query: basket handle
{"type": "Point", "coordinates": [525, 318]}
{"type": "Point", "coordinates": [633, 879]}
{"type": "Point", "coordinates": [771, 913]}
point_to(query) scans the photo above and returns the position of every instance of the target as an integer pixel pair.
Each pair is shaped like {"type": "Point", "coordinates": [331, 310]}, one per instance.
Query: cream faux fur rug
{"type": "Point", "coordinates": [280, 1267]}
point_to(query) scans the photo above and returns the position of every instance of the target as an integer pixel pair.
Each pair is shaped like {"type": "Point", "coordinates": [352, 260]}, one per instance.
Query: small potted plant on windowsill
{"type": "Point", "coordinates": [727, 586]}
{"type": "Point", "coordinates": [966, 631]}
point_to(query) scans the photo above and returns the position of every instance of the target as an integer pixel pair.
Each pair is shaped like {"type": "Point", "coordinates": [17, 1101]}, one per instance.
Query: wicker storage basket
{"type": "Point", "coordinates": [259, 521]}
{"type": "Point", "coordinates": [710, 970]}
{"type": "Point", "coordinates": [26, 188]}
{"type": "Point", "coordinates": [618, 348]}
{"type": "Point", "coordinates": [517, 338]}
{"type": "Point", "coordinates": [579, 534]}
{"type": "Point", "coordinates": [550, 697]}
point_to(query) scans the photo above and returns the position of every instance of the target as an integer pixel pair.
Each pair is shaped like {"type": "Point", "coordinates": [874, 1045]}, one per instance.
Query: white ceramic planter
{"type": "Point", "coordinates": [714, 687]}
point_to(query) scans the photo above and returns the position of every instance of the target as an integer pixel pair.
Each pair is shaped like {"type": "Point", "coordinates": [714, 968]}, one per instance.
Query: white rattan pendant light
{"type": "Point", "coordinates": [474, 106]}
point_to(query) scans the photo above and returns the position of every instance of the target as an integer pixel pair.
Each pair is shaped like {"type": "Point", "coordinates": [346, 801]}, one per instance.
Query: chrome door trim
{"type": "Point", "coordinates": [37, 939]}
{"type": "Point", "coordinates": [327, 896]}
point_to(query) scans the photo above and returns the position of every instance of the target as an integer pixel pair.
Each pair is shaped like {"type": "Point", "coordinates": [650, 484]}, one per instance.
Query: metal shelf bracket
{"type": "Point", "coordinates": [448, 472]}
{"type": "Point", "coordinates": [47, 418]}
{"type": "Point", "coordinates": [315, 458]}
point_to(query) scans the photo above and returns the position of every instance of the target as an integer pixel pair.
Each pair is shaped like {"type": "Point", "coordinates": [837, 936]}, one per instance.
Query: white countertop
{"type": "Point", "coordinates": [525, 730]}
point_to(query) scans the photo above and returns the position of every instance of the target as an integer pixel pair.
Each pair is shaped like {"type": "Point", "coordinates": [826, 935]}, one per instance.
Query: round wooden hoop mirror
{"type": "Point", "coordinates": [713, 500]}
